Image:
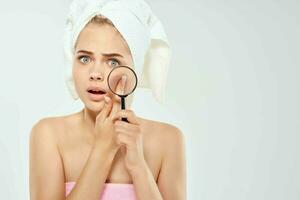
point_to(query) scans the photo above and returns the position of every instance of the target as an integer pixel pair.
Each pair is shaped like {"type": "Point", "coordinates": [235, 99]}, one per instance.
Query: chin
{"type": "Point", "coordinates": [95, 106]}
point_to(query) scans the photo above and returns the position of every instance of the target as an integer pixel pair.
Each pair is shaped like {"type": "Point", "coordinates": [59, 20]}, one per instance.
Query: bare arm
{"type": "Point", "coordinates": [47, 173]}
{"type": "Point", "coordinates": [172, 177]}
{"type": "Point", "coordinates": [46, 169]}
{"type": "Point", "coordinates": [145, 185]}
{"type": "Point", "coordinates": [92, 178]}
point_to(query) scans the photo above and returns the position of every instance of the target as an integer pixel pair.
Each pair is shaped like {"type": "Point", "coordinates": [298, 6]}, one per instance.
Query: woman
{"type": "Point", "coordinates": [92, 154]}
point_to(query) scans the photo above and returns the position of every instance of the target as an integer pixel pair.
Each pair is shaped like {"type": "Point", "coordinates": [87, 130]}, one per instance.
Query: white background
{"type": "Point", "coordinates": [233, 89]}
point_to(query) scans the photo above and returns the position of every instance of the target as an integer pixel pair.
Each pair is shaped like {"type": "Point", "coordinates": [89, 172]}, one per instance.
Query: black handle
{"type": "Point", "coordinates": [123, 108]}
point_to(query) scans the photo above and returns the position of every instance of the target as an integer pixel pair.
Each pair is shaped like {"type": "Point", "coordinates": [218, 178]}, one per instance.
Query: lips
{"type": "Point", "coordinates": [96, 93]}
{"type": "Point", "coordinates": [96, 90]}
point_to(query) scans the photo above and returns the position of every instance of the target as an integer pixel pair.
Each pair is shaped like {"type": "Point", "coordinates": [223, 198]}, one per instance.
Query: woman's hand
{"type": "Point", "coordinates": [104, 129]}
{"type": "Point", "coordinates": [129, 135]}
{"type": "Point", "coordinates": [114, 133]}
{"type": "Point", "coordinates": [104, 123]}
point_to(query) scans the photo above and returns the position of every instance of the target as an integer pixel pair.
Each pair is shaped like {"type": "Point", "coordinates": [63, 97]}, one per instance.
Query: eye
{"type": "Point", "coordinates": [84, 59]}
{"type": "Point", "coordinates": [115, 61]}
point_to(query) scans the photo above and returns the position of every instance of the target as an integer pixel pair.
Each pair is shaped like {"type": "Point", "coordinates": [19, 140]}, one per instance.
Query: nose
{"type": "Point", "coordinates": [96, 76]}
{"type": "Point", "coordinates": [97, 73]}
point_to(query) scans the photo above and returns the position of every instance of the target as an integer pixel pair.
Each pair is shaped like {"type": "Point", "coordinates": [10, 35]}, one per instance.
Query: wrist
{"type": "Point", "coordinates": [104, 150]}
{"type": "Point", "coordinates": [139, 170]}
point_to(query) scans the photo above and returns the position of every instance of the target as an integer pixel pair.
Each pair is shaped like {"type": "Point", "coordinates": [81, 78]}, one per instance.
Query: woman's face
{"type": "Point", "coordinates": [91, 66]}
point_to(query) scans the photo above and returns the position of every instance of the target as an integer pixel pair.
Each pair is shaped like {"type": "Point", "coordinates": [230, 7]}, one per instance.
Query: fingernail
{"type": "Point", "coordinates": [124, 78]}
{"type": "Point", "coordinates": [106, 98]}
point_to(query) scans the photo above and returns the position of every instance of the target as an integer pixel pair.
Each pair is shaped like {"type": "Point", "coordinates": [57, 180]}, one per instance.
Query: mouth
{"type": "Point", "coordinates": [96, 94]}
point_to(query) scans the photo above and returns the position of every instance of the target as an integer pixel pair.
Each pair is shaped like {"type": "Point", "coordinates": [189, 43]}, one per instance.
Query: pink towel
{"type": "Point", "coordinates": [111, 191]}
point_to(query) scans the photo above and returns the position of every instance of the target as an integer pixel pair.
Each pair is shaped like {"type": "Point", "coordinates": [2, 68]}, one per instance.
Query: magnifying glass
{"type": "Point", "coordinates": [115, 76]}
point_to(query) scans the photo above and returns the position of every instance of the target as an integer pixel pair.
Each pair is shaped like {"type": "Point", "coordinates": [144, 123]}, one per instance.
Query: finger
{"type": "Point", "coordinates": [120, 89]}
{"type": "Point", "coordinates": [127, 128]}
{"type": "Point", "coordinates": [129, 114]}
{"type": "Point", "coordinates": [121, 85]}
{"type": "Point", "coordinates": [105, 110]}
{"type": "Point", "coordinates": [117, 100]}
{"type": "Point", "coordinates": [125, 125]}
{"type": "Point", "coordinates": [130, 132]}
{"type": "Point", "coordinates": [125, 140]}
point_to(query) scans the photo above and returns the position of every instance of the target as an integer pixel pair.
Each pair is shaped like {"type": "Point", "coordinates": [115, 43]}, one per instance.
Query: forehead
{"type": "Point", "coordinates": [102, 38]}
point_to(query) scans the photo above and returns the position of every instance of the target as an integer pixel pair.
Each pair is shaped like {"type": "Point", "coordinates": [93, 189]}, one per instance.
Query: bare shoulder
{"type": "Point", "coordinates": [42, 128]}
{"type": "Point", "coordinates": [164, 132]}
{"type": "Point", "coordinates": [44, 125]}
{"type": "Point", "coordinates": [49, 128]}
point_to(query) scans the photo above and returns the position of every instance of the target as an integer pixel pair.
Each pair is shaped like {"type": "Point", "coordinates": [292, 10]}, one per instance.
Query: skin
{"type": "Point", "coordinates": [93, 146]}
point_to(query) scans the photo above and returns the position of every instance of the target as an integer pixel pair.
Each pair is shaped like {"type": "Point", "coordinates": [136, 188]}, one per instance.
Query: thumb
{"type": "Point", "coordinates": [120, 90]}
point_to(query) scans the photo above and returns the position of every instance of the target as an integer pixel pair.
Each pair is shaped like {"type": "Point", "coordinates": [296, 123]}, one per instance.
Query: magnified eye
{"type": "Point", "coordinates": [115, 62]}
{"type": "Point", "coordinates": [84, 59]}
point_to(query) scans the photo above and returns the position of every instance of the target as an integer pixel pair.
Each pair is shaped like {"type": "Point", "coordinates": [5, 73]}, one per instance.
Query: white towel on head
{"type": "Point", "coordinates": [142, 30]}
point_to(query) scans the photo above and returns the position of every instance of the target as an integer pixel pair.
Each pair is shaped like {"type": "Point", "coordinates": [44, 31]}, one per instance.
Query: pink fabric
{"type": "Point", "coordinates": [111, 191]}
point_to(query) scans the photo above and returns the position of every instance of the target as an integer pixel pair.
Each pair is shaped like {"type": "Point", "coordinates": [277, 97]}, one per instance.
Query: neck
{"type": "Point", "coordinates": [88, 119]}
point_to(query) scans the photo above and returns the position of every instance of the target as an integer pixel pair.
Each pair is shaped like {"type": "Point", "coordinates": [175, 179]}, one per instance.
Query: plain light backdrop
{"type": "Point", "coordinates": [233, 90]}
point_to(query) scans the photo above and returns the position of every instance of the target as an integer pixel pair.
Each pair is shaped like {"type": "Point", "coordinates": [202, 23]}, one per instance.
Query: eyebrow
{"type": "Point", "coordinates": [104, 54]}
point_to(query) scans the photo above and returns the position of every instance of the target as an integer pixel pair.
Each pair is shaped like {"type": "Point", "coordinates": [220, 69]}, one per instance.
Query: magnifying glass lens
{"type": "Point", "coordinates": [115, 79]}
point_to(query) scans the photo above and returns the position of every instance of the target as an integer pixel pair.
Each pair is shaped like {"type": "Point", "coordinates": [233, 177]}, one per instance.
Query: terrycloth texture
{"type": "Point", "coordinates": [142, 30]}
{"type": "Point", "coordinates": [111, 191]}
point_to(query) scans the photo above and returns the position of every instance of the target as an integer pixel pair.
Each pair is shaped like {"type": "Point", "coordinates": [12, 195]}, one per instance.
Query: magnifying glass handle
{"type": "Point", "coordinates": [123, 108]}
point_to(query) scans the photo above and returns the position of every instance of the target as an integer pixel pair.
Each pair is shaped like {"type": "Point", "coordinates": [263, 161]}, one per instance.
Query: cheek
{"type": "Point", "coordinates": [78, 76]}
{"type": "Point", "coordinates": [75, 73]}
